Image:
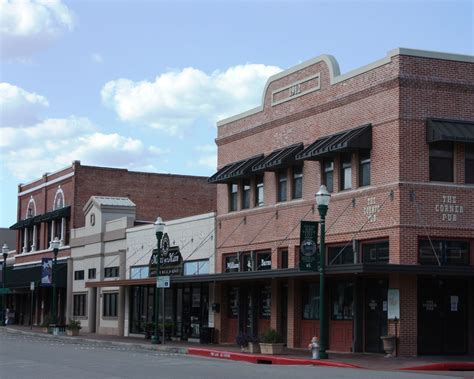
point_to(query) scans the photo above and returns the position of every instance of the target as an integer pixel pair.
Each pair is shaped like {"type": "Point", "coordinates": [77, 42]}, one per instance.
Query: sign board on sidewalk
{"type": "Point", "coordinates": [163, 282]}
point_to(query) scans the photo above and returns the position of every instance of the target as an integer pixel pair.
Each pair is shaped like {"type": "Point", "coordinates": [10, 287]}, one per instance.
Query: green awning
{"type": "Point", "coordinates": [453, 131]}
{"type": "Point", "coordinates": [53, 215]}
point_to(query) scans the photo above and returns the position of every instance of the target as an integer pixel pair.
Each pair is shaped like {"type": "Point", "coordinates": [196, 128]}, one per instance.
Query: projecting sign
{"type": "Point", "coordinates": [163, 282]}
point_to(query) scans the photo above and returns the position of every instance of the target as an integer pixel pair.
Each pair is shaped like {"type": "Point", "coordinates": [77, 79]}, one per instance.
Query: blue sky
{"type": "Point", "coordinates": [141, 84]}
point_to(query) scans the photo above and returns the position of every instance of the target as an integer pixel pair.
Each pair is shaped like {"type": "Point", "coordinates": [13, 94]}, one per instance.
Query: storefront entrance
{"type": "Point", "coordinates": [442, 316]}
{"type": "Point", "coordinates": [375, 314]}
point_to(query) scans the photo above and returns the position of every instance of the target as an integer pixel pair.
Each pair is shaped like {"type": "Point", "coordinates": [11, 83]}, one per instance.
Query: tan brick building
{"type": "Point", "coordinates": [394, 143]}
{"type": "Point", "coordinates": [53, 205]}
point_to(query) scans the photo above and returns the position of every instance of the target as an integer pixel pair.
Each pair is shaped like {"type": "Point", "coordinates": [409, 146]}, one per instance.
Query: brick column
{"type": "Point", "coordinates": [294, 314]}
{"type": "Point", "coordinates": [408, 327]}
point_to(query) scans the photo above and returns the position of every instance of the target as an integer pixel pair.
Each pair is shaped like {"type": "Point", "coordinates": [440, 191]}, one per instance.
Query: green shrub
{"type": "Point", "coordinates": [271, 336]}
{"type": "Point", "coordinates": [74, 325]}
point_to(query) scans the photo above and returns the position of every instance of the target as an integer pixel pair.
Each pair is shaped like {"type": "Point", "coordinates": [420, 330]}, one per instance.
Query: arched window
{"type": "Point", "coordinates": [31, 209]}
{"type": "Point", "coordinates": [59, 199]}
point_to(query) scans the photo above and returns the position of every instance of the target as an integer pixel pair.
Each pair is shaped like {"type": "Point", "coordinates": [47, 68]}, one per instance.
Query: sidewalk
{"type": "Point", "coordinates": [291, 356]}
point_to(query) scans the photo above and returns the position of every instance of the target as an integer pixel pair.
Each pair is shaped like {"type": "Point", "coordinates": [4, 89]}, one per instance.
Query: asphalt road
{"type": "Point", "coordinates": [26, 356]}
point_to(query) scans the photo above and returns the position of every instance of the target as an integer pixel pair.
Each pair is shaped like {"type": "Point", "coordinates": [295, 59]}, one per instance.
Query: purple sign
{"type": "Point", "coordinates": [46, 272]}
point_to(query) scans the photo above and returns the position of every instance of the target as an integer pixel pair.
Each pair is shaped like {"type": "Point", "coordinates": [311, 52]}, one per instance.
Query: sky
{"type": "Point", "coordinates": [141, 84]}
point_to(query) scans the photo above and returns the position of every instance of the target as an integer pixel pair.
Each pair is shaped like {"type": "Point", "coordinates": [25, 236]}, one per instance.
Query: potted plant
{"type": "Point", "coordinates": [271, 342]}
{"type": "Point", "coordinates": [248, 343]}
{"type": "Point", "coordinates": [73, 328]}
{"type": "Point", "coordinates": [389, 345]}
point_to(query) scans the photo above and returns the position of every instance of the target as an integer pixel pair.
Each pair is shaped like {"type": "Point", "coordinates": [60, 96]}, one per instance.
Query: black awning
{"type": "Point", "coordinates": [348, 140]}
{"type": "Point", "coordinates": [446, 130]}
{"type": "Point", "coordinates": [278, 158]}
{"type": "Point", "coordinates": [53, 215]}
{"type": "Point", "coordinates": [21, 277]}
{"type": "Point", "coordinates": [235, 170]}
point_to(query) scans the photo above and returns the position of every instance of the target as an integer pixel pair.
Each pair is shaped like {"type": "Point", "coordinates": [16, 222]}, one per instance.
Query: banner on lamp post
{"type": "Point", "coordinates": [309, 246]}
{"type": "Point", "coordinates": [46, 272]}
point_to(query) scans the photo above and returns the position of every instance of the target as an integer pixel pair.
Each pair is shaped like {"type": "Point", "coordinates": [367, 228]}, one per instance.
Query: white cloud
{"type": "Point", "coordinates": [206, 157]}
{"type": "Point", "coordinates": [29, 151]}
{"type": "Point", "coordinates": [19, 107]}
{"type": "Point", "coordinates": [29, 26]}
{"type": "Point", "coordinates": [177, 100]}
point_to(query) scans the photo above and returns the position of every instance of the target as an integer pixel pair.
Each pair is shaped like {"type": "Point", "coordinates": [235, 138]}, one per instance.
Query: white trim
{"type": "Point", "coordinates": [59, 192]}
{"type": "Point", "coordinates": [41, 251]}
{"type": "Point", "coordinates": [336, 77]}
{"type": "Point", "coordinates": [288, 98]}
{"type": "Point", "coordinates": [35, 262]}
{"type": "Point", "coordinates": [47, 174]}
{"type": "Point", "coordinates": [42, 185]}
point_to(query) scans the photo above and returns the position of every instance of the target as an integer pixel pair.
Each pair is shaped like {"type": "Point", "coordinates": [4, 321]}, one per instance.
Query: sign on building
{"type": "Point", "coordinates": [309, 246]}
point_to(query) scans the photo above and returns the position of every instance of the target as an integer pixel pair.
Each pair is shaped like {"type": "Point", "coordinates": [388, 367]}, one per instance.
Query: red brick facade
{"type": "Point", "coordinates": [396, 96]}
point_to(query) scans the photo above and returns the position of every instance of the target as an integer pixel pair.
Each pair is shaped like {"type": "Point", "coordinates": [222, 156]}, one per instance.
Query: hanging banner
{"type": "Point", "coordinates": [46, 272]}
{"type": "Point", "coordinates": [309, 246]}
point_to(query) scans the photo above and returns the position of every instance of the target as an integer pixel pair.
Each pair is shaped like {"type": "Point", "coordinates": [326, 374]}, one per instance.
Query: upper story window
{"type": "Point", "coordinates": [111, 272]}
{"type": "Point", "coordinates": [246, 194]}
{"type": "Point", "coordinates": [328, 174]}
{"type": "Point", "coordinates": [233, 191]}
{"type": "Point", "coordinates": [297, 182]}
{"type": "Point", "coordinates": [79, 275]}
{"type": "Point", "coordinates": [469, 164]}
{"type": "Point", "coordinates": [59, 199]}
{"type": "Point", "coordinates": [451, 253]}
{"type": "Point", "coordinates": [139, 272]}
{"type": "Point", "coordinates": [441, 162]}
{"type": "Point", "coordinates": [231, 263]}
{"type": "Point", "coordinates": [340, 255]}
{"type": "Point", "coordinates": [264, 260]}
{"type": "Point", "coordinates": [282, 181]}
{"type": "Point", "coordinates": [197, 267]}
{"type": "Point", "coordinates": [91, 273]}
{"type": "Point", "coordinates": [364, 168]}
{"type": "Point", "coordinates": [346, 171]}
{"type": "Point", "coordinates": [375, 252]}
{"type": "Point", "coordinates": [259, 200]}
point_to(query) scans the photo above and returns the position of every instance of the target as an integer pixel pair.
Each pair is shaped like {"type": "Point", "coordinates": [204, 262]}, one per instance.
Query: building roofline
{"type": "Point", "coordinates": [335, 74]}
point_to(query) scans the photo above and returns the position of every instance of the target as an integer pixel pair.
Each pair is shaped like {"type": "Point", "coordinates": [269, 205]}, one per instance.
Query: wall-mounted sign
{"type": "Point", "coordinates": [371, 209]}
{"type": "Point", "coordinates": [449, 208]}
{"type": "Point", "coordinates": [393, 300]}
{"type": "Point", "coordinates": [454, 303]}
{"type": "Point", "coordinates": [308, 246]}
{"type": "Point", "coordinates": [429, 305]}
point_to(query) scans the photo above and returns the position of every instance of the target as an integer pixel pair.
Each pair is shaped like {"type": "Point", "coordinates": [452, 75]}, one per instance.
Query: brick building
{"type": "Point", "coordinates": [394, 143]}
{"type": "Point", "coordinates": [53, 205]}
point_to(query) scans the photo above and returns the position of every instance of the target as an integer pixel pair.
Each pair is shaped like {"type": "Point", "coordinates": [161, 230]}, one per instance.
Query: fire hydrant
{"type": "Point", "coordinates": [314, 347]}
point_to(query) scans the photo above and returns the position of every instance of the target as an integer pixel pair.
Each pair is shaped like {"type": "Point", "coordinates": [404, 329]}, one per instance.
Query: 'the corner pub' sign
{"type": "Point", "coordinates": [171, 261]}
{"type": "Point", "coordinates": [309, 246]}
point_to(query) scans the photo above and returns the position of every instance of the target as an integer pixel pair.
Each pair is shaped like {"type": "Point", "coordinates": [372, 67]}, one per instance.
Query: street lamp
{"type": "Point", "coordinates": [159, 228]}
{"type": "Point", "coordinates": [322, 199]}
{"type": "Point", "coordinates": [5, 250]}
{"type": "Point", "coordinates": [55, 246]}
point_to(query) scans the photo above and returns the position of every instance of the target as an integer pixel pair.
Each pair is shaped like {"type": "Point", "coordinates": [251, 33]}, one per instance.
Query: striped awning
{"type": "Point", "coordinates": [348, 140]}
{"type": "Point", "coordinates": [278, 158]}
{"type": "Point", "coordinates": [236, 170]}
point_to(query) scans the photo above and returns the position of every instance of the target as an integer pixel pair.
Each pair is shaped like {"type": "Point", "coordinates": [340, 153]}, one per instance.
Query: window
{"type": "Point", "coordinates": [282, 185]}
{"type": "Point", "coordinates": [139, 272]}
{"type": "Point", "coordinates": [79, 305]}
{"type": "Point", "coordinates": [346, 171]}
{"type": "Point", "coordinates": [310, 301]}
{"type": "Point", "coordinates": [297, 182]}
{"type": "Point", "coordinates": [246, 194]}
{"type": "Point", "coordinates": [233, 190]}
{"type": "Point", "coordinates": [231, 263]}
{"type": "Point", "coordinates": [91, 273]}
{"type": "Point", "coordinates": [259, 191]}
{"type": "Point", "coordinates": [469, 164]}
{"type": "Point", "coordinates": [247, 262]}
{"type": "Point", "coordinates": [441, 162]}
{"type": "Point", "coordinates": [342, 301]}
{"type": "Point", "coordinates": [79, 275]}
{"type": "Point", "coordinates": [364, 168]}
{"type": "Point", "coordinates": [340, 255]}
{"type": "Point", "coordinates": [111, 272]}
{"type": "Point", "coordinates": [265, 300]}
{"type": "Point", "coordinates": [284, 258]}
{"type": "Point", "coordinates": [264, 260]}
{"type": "Point", "coordinates": [110, 304]}
{"type": "Point", "coordinates": [328, 175]}
{"type": "Point", "coordinates": [450, 253]}
{"type": "Point", "coordinates": [375, 252]}
{"type": "Point", "coordinates": [196, 267]}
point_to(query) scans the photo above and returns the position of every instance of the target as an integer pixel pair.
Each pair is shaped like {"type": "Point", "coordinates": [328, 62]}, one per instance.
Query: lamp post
{"type": "Point", "coordinates": [159, 228]}
{"type": "Point", "coordinates": [55, 246]}
{"type": "Point", "coordinates": [5, 250]}
{"type": "Point", "coordinates": [322, 199]}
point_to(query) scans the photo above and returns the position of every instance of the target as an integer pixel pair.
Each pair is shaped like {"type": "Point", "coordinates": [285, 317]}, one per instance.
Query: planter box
{"type": "Point", "coordinates": [389, 345]}
{"type": "Point", "coordinates": [72, 332]}
{"type": "Point", "coordinates": [252, 348]}
{"type": "Point", "coordinates": [271, 348]}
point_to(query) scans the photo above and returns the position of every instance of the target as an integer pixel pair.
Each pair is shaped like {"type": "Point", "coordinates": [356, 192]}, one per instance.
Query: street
{"type": "Point", "coordinates": [27, 356]}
